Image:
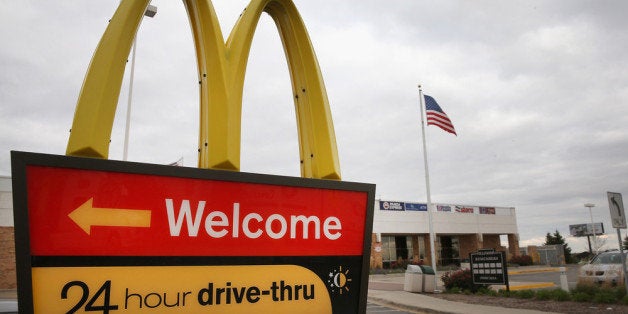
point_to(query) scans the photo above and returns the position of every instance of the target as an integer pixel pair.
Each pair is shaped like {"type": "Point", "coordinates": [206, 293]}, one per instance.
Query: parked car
{"type": "Point", "coordinates": [603, 268]}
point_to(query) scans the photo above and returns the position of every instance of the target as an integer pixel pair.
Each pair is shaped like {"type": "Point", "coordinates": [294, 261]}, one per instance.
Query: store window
{"type": "Point", "coordinates": [395, 248]}
{"type": "Point", "coordinates": [421, 241]}
{"type": "Point", "coordinates": [388, 249]}
{"type": "Point", "coordinates": [449, 250]}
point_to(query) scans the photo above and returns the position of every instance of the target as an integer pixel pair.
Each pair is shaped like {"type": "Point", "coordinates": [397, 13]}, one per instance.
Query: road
{"type": "Point", "coordinates": [572, 277]}
{"type": "Point", "coordinates": [374, 308]}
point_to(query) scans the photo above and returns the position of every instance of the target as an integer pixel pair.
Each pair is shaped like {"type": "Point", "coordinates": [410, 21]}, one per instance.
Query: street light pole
{"type": "Point", "coordinates": [151, 10]}
{"type": "Point", "coordinates": [589, 205]}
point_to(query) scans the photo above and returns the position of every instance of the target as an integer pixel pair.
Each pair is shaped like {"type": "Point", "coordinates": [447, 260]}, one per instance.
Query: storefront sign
{"type": "Point", "coordinates": [119, 237]}
{"type": "Point", "coordinates": [464, 209]}
{"type": "Point", "coordinates": [487, 210]}
{"type": "Point", "coordinates": [401, 206]}
{"type": "Point", "coordinates": [415, 207]}
{"type": "Point", "coordinates": [387, 205]}
{"type": "Point", "coordinates": [443, 208]}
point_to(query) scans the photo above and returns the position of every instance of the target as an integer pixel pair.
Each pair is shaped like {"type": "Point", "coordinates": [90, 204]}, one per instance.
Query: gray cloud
{"type": "Point", "coordinates": [536, 91]}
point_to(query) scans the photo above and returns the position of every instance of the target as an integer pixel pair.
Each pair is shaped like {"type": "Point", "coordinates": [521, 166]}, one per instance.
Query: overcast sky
{"type": "Point", "coordinates": [537, 91]}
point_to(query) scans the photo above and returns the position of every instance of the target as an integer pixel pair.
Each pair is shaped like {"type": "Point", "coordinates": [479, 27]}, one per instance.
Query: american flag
{"type": "Point", "coordinates": [436, 116]}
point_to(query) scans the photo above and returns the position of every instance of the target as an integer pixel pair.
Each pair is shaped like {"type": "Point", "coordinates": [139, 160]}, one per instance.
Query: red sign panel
{"type": "Point", "coordinates": [86, 212]}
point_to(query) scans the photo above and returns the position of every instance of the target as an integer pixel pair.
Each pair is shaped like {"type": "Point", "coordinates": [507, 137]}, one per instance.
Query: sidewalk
{"type": "Point", "coordinates": [388, 289]}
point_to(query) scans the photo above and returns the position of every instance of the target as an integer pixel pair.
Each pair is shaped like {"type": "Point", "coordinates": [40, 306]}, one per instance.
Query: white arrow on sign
{"type": "Point", "coordinates": [616, 206]}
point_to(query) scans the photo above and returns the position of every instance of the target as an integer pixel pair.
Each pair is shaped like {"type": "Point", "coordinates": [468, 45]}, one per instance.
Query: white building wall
{"type": "Point", "coordinates": [6, 202]}
{"type": "Point", "coordinates": [504, 221]}
{"type": "Point", "coordinates": [385, 221]}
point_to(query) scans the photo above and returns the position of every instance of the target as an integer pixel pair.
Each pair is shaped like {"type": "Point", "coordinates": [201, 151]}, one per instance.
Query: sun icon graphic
{"type": "Point", "coordinates": [339, 280]}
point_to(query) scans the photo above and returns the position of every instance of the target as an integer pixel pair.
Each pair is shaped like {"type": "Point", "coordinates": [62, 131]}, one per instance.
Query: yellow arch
{"type": "Point", "coordinates": [221, 69]}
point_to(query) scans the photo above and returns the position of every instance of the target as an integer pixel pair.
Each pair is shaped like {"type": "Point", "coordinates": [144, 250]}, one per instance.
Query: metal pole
{"type": "Point", "coordinates": [589, 205]}
{"type": "Point", "coordinates": [125, 153]}
{"type": "Point", "coordinates": [427, 186]}
{"type": "Point", "coordinates": [623, 259]}
{"type": "Point", "coordinates": [593, 231]}
{"type": "Point", "coordinates": [505, 271]}
{"type": "Point", "coordinates": [151, 10]}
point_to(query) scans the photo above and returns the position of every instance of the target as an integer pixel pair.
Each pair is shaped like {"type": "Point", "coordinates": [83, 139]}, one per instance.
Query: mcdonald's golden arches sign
{"type": "Point", "coordinates": [105, 236]}
{"type": "Point", "coordinates": [221, 71]}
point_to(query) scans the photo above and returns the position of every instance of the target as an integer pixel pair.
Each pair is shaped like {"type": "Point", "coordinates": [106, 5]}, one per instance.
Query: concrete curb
{"type": "Point", "coordinates": [400, 306]}
{"type": "Point", "coordinates": [533, 271]}
{"type": "Point", "coordinates": [529, 286]}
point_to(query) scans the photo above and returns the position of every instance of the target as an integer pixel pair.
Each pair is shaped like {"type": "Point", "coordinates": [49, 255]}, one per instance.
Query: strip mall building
{"type": "Point", "coordinates": [401, 232]}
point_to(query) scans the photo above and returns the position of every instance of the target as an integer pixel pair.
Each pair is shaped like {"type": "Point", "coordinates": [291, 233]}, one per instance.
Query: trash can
{"type": "Point", "coordinates": [429, 275]}
{"type": "Point", "coordinates": [413, 281]}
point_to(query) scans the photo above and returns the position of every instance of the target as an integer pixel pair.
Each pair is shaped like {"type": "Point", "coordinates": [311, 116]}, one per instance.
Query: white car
{"type": "Point", "coordinates": [603, 268]}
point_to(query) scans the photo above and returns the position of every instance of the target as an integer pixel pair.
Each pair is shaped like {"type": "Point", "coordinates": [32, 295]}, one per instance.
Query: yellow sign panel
{"type": "Point", "coordinates": [179, 289]}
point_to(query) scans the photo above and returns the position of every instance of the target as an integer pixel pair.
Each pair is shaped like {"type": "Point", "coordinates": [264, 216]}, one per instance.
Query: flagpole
{"type": "Point", "coordinates": [427, 186]}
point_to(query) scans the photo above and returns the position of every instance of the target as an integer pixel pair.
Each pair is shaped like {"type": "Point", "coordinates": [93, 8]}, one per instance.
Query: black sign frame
{"type": "Point", "coordinates": [489, 267]}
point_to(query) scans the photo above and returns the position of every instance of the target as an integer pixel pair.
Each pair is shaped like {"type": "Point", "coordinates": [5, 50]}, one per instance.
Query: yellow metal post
{"type": "Point", "coordinates": [96, 106]}
{"type": "Point", "coordinates": [221, 69]}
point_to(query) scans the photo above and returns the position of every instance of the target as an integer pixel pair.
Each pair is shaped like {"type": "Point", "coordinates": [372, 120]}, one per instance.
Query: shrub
{"type": "Point", "coordinates": [587, 292]}
{"type": "Point", "coordinates": [521, 260]}
{"type": "Point", "coordinates": [484, 291]}
{"type": "Point", "coordinates": [560, 295]}
{"type": "Point", "coordinates": [461, 282]}
{"type": "Point", "coordinates": [462, 279]}
{"type": "Point", "coordinates": [399, 264]}
{"type": "Point", "coordinates": [553, 294]}
{"type": "Point", "coordinates": [604, 296]}
{"type": "Point", "coordinates": [524, 294]}
{"type": "Point", "coordinates": [620, 292]}
{"type": "Point", "coordinates": [581, 297]}
{"type": "Point", "coordinates": [587, 288]}
{"type": "Point", "coordinates": [543, 295]}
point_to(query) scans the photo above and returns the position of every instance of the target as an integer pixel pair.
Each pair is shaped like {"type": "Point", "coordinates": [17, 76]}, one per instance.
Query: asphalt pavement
{"type": "Point", "coordinates": [550, 274]}
{"type": "Point", "coordinates": [389, 290]}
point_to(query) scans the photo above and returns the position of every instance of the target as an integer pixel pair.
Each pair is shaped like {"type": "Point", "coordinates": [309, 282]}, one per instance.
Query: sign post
{"type": "Point", "coordinates": [618, 218]}
{"type": "Point", "coordinates": [120, 237]}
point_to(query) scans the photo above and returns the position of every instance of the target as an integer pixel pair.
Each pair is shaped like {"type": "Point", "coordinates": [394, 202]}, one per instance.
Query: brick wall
{"type": "Point", "coordinates": [513, 244]}
{"type": "Point", "coordinates": [8, 277]}
{"type": "Point", "coordinates": [468, 243]}
{"type": "Point", "coordinates": [376, 253]}
{"type": "Point", "coordinates": [492, 241]}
